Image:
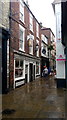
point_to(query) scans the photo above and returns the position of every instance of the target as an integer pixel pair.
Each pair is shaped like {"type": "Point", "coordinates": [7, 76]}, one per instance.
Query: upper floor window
{"type": "Point", "coordinates": [37, 50]}
{"type": "Point", "coordinates": [44, 50]}
{"type": "Point", "coordinates": [44, 39]}
{"type": "Point", "coordinates": [31, 44]}
{"type": "Point", "coordinates": [37, 29]}
{"type": "Point", "coordinates": [21, 38]}
{"type": "Point", "coordinates": [31, 22]}
{"type": "Point", "coordinates": [21, 11]}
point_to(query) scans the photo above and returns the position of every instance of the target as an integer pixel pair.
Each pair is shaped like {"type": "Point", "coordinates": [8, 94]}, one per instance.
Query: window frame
{"type": "Point", "coordinates": [21, 9]}
{"type": "Point", "coordinates": [37, 52]}
{"type": "Point", "coordinates": [31, 22]}
{"type": "Point", "coordinates": [37, 30]}
{"type": "Point", "coordinates": [31, 39]}
{"type": "Point", "coordinates": [23, 40]}
{"type": "Point", "coordinates": [19, 68]}
{"type": "Point", "coordinates": [36, 68]}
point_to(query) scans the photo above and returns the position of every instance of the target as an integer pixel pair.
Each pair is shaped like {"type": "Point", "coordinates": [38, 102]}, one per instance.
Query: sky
{"type": "Point", "coordinates": [43, 11]}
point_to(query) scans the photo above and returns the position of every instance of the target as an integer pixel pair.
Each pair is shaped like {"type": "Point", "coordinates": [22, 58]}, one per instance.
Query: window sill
{"type": "Point", "coordinates": [19, 78]}
{"type": "Point", "coordinates": [21, 50]}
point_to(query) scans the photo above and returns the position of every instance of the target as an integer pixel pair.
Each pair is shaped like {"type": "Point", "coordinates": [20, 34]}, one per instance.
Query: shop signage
{"type": "Point", "coordinates": [61, 58]}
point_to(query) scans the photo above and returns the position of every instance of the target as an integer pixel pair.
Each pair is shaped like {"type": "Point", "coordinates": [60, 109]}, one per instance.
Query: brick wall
{"type": "Point", "coordinates": [14, 39]}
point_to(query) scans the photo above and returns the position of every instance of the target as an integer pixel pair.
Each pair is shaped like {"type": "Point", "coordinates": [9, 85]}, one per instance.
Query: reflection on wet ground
{"type": "Point", "coordinates": [37, 99]}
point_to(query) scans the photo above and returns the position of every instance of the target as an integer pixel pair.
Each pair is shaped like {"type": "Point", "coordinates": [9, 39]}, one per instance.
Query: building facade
{"type": "Point", "coordinates": [25, 45]}
{"type": "Point", "coordinates": [60, 56]}
{"type": "Point", "coordinates": [51, 47]}
{"type": "Point", "coordinates": [25, 42]}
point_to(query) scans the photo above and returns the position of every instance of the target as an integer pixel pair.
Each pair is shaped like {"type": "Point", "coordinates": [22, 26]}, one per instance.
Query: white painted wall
{"type": "Point", "coordinates": [60, 65]}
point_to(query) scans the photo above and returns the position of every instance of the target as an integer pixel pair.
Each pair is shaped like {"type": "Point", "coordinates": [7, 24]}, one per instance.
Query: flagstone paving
{"type": "Point", "coordinates": [37, 99]}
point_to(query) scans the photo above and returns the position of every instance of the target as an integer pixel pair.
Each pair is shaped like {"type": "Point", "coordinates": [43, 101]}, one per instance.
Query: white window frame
{"type": "Point", "coordinates": [37, 52]}
{"type": "Point", "coordinates": [42, 47]}
{"type": "Point", "coordinates": [22, 77]}
{"type": "Point", "coordinates": [22, 29]}
{"type": "Point", "coordinates": [31, 39]}
{"type": "Point", "coordinates": [39, 68]}
{"type": "Point", "coordinates": [37, 30]}
{"type": "Point", "coordinates": [21, 11]}
{"type": "Point", "coordinates": [31, 22]}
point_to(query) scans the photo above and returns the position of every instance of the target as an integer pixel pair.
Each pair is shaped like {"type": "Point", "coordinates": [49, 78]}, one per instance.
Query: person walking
{"type": "Point", "coordinates": [45, 72]}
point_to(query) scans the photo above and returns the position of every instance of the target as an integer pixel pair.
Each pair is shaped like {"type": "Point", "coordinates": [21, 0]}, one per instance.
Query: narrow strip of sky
{"type": "Point", "coordinates": [43, 11]}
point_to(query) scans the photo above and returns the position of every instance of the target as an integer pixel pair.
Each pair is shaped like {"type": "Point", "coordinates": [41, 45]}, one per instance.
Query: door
{"type": "Point", "coordinates": [34, 73]}
{"type": "Point", "coordinates": [26, 73]}
{"type": "Point", "coordinates": [31, 72]}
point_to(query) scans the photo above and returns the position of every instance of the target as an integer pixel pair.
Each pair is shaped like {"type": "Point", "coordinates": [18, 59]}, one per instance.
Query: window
{"type": "Point", "coordinates": [44, 49]}
{"type": "Point", "coordinates": [31, 22]}
{"type": "Point", "coordinates": [19, 67]}
{"type": "Point", "coordinates": [44, 39]}
{"type": "Point", "coordinates": [37, 67]}
{"type": "Point", "coordinates": [21, 11]}
{"type": "Point", "coordinates": [31, 44]}
{"type": "Point", "coordinates": [37, 29]}
{"type": "Point", "coordinates": [21, 38]}
{"type": "Point", "coordinates": [37, 45]}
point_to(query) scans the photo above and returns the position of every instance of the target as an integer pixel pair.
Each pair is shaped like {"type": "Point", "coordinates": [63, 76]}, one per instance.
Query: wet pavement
{"type": "Point", "coordinates": [37, 99]}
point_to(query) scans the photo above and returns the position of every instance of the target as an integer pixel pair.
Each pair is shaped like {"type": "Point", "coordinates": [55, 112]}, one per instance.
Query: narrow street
{"type": "Point", "coordinates": [37, 99]}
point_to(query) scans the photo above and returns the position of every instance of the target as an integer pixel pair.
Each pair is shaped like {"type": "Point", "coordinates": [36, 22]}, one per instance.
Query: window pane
{"type": "Point", "coordinates": [16, 63]}
{"type": "Point", "coordinates": [37, 68]}
{"type": "Point", "coordinates": [18, 68]}
{"type": "Point", "coordinates": [21, 35]}
{"type": "Point", "coordinates": [21, 16]}
{"type": "Point", "coordinates": [21, 63]}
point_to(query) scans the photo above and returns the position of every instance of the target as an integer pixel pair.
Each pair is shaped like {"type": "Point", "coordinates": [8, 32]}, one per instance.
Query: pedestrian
{"type": "Point", "coordinates": [45, 72]}
{"type": "Point", "coordinates": [49, 70]}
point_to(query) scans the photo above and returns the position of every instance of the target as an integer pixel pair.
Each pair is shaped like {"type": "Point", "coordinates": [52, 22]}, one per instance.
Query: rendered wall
{"type": "Point", "coordinates": [60, 57]}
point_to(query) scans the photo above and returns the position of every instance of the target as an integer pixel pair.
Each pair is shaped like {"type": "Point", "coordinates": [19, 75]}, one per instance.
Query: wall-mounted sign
{"type": "Point", "coordinates": [61, 58]}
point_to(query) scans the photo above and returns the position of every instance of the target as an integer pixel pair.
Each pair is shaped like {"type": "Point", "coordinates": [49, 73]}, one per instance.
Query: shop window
{"type": "Point", "coordinates": [19, 66]}
{"type": "Point", "coordinates": [37, 67]}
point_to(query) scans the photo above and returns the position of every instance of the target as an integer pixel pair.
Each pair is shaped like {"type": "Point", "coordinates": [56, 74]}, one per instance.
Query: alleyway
{"type": "Point", "coordinates": [37, 99]}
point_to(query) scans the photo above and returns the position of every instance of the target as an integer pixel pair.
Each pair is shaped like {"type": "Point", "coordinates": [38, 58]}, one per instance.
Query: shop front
{"type": "Point", "coordinates": [26, 69]}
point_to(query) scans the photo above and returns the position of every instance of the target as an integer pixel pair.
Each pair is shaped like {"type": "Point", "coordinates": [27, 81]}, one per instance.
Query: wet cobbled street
{"type": "Point", "coordinates": [37, 99]}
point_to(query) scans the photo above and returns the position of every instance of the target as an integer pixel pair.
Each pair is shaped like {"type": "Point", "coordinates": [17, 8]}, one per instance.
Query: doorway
{"type": "Point", "coordinates": [34, 72]}
{"type": "Point", "coordinates": [30, 72]}
{"type": "Point", "coordinates": [26, 73]}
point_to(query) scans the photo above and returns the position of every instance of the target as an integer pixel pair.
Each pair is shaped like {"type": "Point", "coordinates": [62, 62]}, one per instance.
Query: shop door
{"type": "Point", "coordinates": [34, 73]}
{"type": "Point", "coordinates": [26, 73]}
{"type": "Point", "coordinates": [31, 72]}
